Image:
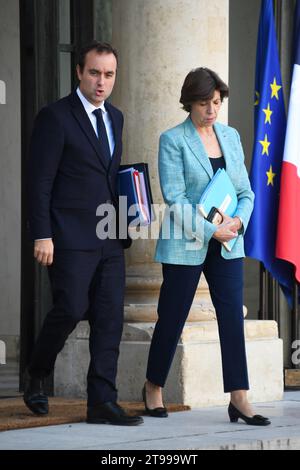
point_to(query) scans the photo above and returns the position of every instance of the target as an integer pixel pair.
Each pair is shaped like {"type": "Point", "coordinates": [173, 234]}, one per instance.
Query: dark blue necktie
{"type": "Point", "coordinates": [102, 134]}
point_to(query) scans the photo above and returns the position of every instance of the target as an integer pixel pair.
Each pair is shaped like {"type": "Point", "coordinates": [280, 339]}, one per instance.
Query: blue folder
{"type": "Point", "coordinates": [126, 187]}
{"type": "Point", "coordinates": [143, 168]}
{"type": "Point", "coordinates": [220, 193]}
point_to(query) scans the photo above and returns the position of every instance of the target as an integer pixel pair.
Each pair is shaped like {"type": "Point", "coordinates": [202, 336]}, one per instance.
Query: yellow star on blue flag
{"type": "Point", "coordinates": [271, 176]}
{"type": "Point", "coordinates": [265, 145]}
{"type": "Point", "coordinates": [268, 112]}
{"type": "Point", "coordinates": [275, 89]}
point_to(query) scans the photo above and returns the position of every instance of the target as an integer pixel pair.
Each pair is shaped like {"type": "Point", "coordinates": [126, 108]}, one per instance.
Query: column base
{"type": "Point", "coordinates": [195, 378]}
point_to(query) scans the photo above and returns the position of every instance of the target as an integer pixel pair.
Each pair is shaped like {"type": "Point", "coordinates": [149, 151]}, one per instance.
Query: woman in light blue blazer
{"type": "Point", "coordinates": [189, 155]}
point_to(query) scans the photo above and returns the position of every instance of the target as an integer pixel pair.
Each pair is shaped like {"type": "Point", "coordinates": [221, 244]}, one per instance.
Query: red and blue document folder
{"type": "Point", "coordinates": [134, 182]}
{"type": "Point", "coordinates": [220, 193]}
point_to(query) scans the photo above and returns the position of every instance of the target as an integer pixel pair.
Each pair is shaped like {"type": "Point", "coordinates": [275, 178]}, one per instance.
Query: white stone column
{"type": "Point", "coordinates": [159, 42]}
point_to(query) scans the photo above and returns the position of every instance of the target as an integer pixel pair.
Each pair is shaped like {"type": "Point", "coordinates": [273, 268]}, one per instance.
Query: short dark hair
{"type": "Point", "coordinates": [100, 47]}
{"type": "Point", "coordinates": [200, 85]}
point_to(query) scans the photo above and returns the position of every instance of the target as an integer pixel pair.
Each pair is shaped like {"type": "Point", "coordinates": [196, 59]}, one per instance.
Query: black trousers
{"type": "Point", "coordinates": [86, 284]}
{"type": "Point", "coordinates": [225, 280]}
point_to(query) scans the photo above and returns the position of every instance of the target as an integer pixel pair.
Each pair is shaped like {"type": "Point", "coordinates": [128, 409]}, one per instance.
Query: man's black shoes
{"type": "Point", "coordinates": [105, 413]}
{"type": "Point", "coordinates": [111, 413]}
{"type": "Point", "coordinates": [34, 396]}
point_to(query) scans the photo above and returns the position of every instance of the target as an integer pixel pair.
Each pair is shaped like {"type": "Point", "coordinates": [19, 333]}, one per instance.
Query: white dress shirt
{"type": "Point", "coordinates": [89, 108]}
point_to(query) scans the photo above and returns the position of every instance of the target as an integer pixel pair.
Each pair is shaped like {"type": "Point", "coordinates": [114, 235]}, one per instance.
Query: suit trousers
{"type": "Point", "coordinates": [86, 285]}
{"type": "Point", "coordinates": [225, 281]}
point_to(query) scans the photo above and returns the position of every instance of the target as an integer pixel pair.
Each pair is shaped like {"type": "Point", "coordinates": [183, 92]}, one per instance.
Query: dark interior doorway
{"type": "Point", "coordinates": [51, 33]}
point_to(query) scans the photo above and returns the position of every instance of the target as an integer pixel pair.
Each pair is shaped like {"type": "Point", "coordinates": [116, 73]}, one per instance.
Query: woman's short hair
{"type": "Point", "coordinates": [200, 85]}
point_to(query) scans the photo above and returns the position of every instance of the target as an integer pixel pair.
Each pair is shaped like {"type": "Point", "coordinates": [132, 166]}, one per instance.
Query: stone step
{"type": "Point", "coordinates": [8, 372]}
{"type": "Point", "coordinates": [9, 379]}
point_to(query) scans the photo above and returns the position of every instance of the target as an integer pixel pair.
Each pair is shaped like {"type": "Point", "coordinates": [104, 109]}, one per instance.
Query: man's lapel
{"type": "Point", "coordinates": [85, 124]}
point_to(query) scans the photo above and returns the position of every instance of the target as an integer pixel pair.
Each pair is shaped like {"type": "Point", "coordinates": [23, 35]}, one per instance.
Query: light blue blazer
{"type": "Point", "coordinates": [185, 171]}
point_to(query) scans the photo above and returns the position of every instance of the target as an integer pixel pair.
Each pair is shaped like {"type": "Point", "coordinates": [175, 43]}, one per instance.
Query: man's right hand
{"type": "Point", "coordinates": [43, 251]}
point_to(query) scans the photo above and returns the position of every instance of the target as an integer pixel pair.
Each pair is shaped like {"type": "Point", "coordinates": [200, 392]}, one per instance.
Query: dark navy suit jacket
{"type": "Point", "coordinates": [69, 176]}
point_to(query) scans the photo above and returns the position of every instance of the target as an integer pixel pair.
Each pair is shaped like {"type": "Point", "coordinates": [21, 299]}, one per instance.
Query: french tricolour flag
{"type": "Point", "coordinates": [288, 231]}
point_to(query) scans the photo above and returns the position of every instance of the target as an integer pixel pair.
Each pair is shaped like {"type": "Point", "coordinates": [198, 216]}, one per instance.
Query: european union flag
{"type": "Point", "coordinates": [270, 127]}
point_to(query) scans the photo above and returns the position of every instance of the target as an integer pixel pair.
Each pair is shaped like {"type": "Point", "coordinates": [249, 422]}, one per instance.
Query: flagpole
{"type": "Point", "coordinates": [269, 308]}
{"type": "Point", "coordinates": [276, 309]}
{"type": "Point", "coordinates": [262, 292]}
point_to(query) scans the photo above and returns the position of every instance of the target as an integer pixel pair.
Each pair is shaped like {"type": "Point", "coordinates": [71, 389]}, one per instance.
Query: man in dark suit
{"type": "Point", "coordinates": [75, 154]}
